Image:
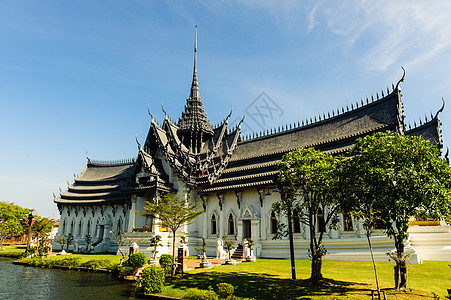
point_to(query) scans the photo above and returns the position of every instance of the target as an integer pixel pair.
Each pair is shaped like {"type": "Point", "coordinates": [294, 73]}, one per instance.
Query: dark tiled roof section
{"type": "Point", "coordinates": [383, 114]}
{"type": "Point", "coordinates": [194, 118]}
{"type": "Point", "coordinates": [99, 183]}
{"type": "Point", "coordinates": [105, 172]}
{"type": "Point", "coordinates": [429, 131]}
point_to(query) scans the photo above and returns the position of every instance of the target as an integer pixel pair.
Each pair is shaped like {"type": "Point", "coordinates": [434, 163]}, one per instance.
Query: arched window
{"type": "Point", "coordinates": [64, 227]}
{"type": "Point", "coordinates": [79, 228]}
{"type": "Point", "coordinates": [273, 223]}
{"type": "Point", "coordinates": [72, 228]}
{"type": "Point", "coordinates": [119, 225]}
{"type": "Point", "coordinates": [231, 225]}
{"type": "Point", "coordinates": [347, 221]}
{"type": "Point", "coordinates": [213, 224]}
{"type": "Point", "coordinates": [296, 224]}
{"type": "Point", "coordinates": [88, 229]}
{"type": "Point", "coordinates": [320, 221]}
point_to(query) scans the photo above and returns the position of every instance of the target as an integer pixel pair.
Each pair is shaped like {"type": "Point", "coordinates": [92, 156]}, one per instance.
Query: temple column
{"type": "Point", "coordinates": [205, 224]}
{"type": "Point", "coordinates": [131, 221]}
{"type": "Point", "coordinates": [221, 218]}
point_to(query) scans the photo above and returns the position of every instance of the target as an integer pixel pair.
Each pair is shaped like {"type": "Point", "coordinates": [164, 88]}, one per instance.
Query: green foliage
{"type": "Point", "coordinates": [307, 182]}
{"type": "Point", "coordinates": [41, 228]}
{"type": "Point", "coordinates": [166, 261]}
{"type": "Point", "coordinates": [69, 261]}
{"type": "Point", "coordinates": [152, 279]}
{"type": "Point", "coordinates": [70, 240]}
{"type": "Point", "coordinates": [62, 240]}
{"type": "Point", "coordinates": [136, 260]}
{"type": "Point", "coordinates": [202, 249]}
{"type": "Point", "coordinates": [224, 290]}
{"type": "Point", "coordinates": [96, 264]}
{"type": "Point", "coordinates": [392, 177]}
{"type": "Point", "coordinates": [172, 211]}
{"type": "Point", "coordinates": [229, 245]}
{"type": "Point", "coordinates": [125, 270]}
{"type": "Point", "coordinates": [250, 243]}
{"type": "Point", "coordinates": [155, 243]}
{"type": "Point", "coordinates": [11, 222]}
{"type": "Point", "coordinates": [201, 295]}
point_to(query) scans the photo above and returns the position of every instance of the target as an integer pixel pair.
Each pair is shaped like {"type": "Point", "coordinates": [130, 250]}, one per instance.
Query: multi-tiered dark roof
{"type": "Point", "coordinates": [217, 159]}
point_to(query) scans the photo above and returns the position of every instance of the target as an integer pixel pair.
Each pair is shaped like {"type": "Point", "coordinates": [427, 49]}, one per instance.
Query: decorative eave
{"type": "Point", "coordinates": [430, 129]}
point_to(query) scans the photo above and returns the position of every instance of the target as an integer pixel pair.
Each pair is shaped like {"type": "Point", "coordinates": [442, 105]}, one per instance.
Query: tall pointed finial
{"type": "Point", "coordinates": [195, 86]}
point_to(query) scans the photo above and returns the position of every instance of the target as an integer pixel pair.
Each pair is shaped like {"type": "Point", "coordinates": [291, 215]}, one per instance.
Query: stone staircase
{"type": "Point", "coordinates": [238, 254]}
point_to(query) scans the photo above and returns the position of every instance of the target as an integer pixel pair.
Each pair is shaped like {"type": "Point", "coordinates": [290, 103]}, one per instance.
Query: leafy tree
{"type": "Point", "coordinates": [229, 246]}
{"type": "Point", "coordinates": [62, 240]}
{"type": "Point", "coordinates": [202, 249]}
{"type": "Point", "coordinates": [70, 240]}
{"type": "Point", "coordinates": [173, 212]}
{"type": "Point", "coordinates": [155, 243]}
{"type": "Point", "coordinates": [11, 222]}
{"type": "Point", "coordinates": [41, 228]}
{"type": "Point", "coordinates": [396, 177]}
{"type": "Point", "coordinates": [307, 183]}
{"type": "Point", "coordinates": [118, 237]}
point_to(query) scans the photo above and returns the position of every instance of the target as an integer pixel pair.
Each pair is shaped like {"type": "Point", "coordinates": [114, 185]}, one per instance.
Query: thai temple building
{"type": "Point", "coordinates": [232, 177]}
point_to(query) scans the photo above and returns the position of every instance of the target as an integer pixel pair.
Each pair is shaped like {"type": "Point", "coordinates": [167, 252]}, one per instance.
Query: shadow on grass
{"type": "Point", "coordinates": [265, 286]}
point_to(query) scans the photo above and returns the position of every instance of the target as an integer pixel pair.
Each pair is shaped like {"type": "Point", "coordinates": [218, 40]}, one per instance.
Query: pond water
{"type": "Point", "coordinates": [23, 282]}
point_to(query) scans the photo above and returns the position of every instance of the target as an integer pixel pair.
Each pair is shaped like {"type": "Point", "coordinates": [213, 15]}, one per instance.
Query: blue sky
{"type": "Point", "coordinates": [76, 76]}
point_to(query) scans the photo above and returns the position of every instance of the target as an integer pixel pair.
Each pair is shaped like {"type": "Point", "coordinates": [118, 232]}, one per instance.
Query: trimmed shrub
{"type": "Point", "coordinates": [225, 290]}
{"type": "Point", "coordinates": [201, 295]}
{"type": "Point", "coordinates": [136, 260]}
{"type": "Point", "coordinates": [152, 279]}
{"type": "Point", "coordinates": [68, 261]}
{"type": "Point", "coordinates": [96, 264]}
{"type": "Point", "coordinates": [124, 271]}
{"type": "Point", "coordinates": [166, 261]}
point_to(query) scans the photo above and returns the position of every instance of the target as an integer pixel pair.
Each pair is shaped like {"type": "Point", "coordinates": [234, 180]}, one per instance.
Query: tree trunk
{"type": "Point", "coordinates": [396, 269]}
{"type": "Point", "coordinates": [316, 257]}
{"type": "Point", "coordinates": [403, 275]}
{"type": "Point", "coordinates": [374, 264]}
{"type": "Point", "coordinates": [401, 265]}
{"type": "Point", "coordinates": [316, 266]}
{"type": "Point", "coordinates": [290, 235]}
{"type": "Point", "coordinates": [173, 254]}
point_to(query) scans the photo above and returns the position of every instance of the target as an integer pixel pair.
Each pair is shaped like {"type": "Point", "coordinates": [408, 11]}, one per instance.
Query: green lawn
{"type": "Point", "coordinates": [85, 257]}
{"type": "Point", "coordinates": [270, 279]}
{"type": "Point", "coordinates": [14, 251]}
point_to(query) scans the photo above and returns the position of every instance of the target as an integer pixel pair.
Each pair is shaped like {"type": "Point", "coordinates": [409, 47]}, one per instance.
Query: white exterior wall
{"type": "Point", "coordinates": [83, 220]}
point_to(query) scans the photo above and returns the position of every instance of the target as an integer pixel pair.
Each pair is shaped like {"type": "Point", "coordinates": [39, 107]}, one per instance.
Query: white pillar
{"type": "Point", "coordinates": [131, 220]}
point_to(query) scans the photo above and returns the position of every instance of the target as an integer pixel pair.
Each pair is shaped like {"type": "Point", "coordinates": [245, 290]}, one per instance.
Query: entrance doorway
{"type": "Point", "coordinates": [246, 229]}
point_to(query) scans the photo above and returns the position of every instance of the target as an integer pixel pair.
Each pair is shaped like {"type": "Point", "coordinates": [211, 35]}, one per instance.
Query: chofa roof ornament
{"type": "Point", "coordinates": [441, 108]}
{"type": "Point", "coordinates": [148, 110]}
{"type": "Point", "coordinates": [402, 79]}
{"type": "Point", "coordinates": [139, 145]}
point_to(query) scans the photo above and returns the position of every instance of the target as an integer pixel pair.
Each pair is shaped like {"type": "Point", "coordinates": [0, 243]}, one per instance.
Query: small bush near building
{"type": "Point", "coordinates": [152, 279]}
{"type": "Point", "coordinates": [69, 261]}
{"type": "Point", "coordinates": [225, 290]}
{"type": "Point", "coordinates": [121, 270]}
{"type": "Point", "coordinates": [201, 295]}
{"type": "Point", "coordinates": [97, 264]}
{"type": "Point", "coordinates": [136, 260]}
{"type": "Point", "coordinates": [166, 261]}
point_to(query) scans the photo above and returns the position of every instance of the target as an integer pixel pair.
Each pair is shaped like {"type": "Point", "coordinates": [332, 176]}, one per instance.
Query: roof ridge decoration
{"type": "Point", "coordinates": [426, 120]}
{"type": "Point", "coordinates": [311, 121]}
{"type": "Point", "coordinates": [123, 161]}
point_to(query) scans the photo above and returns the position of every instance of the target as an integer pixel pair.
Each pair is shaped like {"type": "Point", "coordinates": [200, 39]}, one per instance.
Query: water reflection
{"type": "Point", "coordinates": [21, 282]}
